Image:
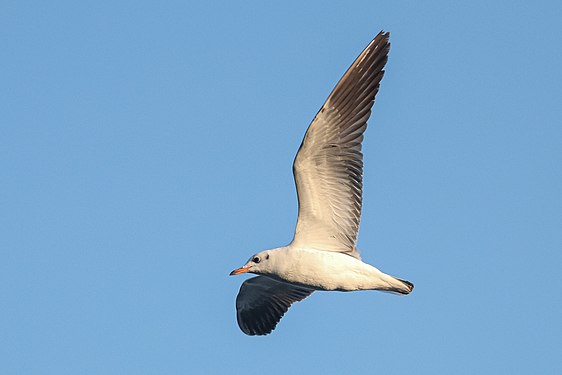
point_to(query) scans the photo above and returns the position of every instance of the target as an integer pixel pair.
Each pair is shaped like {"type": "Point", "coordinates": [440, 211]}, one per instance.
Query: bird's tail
{"type": "Point", "coordinates": [406, 287]}
{"type": "Point", "coordinates": [396, 285]}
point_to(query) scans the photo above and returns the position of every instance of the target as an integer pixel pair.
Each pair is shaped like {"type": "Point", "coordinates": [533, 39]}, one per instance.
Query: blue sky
{"type": "Point", "coordinates": [146, 150]}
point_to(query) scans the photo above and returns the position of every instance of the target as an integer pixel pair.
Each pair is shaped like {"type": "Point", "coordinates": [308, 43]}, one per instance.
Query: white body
{"type": "Point", "coordinates": [327, 270]}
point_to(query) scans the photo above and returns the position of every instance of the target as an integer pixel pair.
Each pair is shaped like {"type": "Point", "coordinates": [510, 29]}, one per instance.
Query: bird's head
{"type": "Point", "coordinates": [258, 264]}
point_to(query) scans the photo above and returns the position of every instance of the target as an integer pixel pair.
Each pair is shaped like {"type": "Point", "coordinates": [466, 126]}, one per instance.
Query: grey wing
{"type": "Point", "coordinates": [328, 168]}
{"type": "Point", "coordinates": [262, 302]}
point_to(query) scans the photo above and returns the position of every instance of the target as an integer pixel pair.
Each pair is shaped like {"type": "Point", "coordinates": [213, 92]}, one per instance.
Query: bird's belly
{"type": "Point", "coordinates": [322, 270]}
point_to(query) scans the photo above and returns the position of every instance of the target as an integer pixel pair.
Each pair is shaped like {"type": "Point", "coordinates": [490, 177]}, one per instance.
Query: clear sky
{"type": "Point", "coordinates": [146, 150]}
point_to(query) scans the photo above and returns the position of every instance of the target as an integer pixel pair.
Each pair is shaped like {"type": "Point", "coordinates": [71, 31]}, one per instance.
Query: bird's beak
{"type": "Point", "coordinates": [240, 270]}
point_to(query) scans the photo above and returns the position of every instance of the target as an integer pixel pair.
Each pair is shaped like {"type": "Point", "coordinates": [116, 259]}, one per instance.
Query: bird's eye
{"type": "Point", "coordinates": [256, 260]}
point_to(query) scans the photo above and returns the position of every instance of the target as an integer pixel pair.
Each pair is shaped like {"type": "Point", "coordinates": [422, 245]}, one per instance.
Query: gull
{"type": "Point", "coordinates": [328, 171]}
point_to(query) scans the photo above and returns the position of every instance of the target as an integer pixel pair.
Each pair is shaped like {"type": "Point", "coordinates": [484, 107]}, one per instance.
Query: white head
{"type": "Point", "coordinates": [259, 264]}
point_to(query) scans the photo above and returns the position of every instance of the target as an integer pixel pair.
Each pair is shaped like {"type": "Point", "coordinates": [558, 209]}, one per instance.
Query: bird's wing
{"type": "Point", "coordinates": [262, 302]}
{"type": "Point", "coordinates": [328, 168]}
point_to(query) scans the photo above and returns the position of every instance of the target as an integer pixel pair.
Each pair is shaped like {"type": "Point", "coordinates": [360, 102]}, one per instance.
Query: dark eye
{"type": "Point", "coordinates": [256, 260]}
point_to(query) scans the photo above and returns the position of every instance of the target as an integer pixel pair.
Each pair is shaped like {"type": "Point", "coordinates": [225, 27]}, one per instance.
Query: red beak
{"type": "Point", "coordinates": [240, 270]}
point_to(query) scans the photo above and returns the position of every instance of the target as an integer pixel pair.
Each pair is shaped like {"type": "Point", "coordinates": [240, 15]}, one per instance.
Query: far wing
{"type": "Point", "coordinates": [262, 302]}
{"type": "Point", "coordinates": [328, 168]}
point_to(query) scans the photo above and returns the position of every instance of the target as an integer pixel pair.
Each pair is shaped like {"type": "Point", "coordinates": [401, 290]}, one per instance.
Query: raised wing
{"type": "Point", "coordinates": [328, 168]}
{"type": "Point", "coordinates": [262, 302]}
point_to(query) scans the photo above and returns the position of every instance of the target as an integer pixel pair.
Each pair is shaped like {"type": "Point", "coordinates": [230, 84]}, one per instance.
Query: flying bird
{"type": "Point", "coordinates": [328, 171]}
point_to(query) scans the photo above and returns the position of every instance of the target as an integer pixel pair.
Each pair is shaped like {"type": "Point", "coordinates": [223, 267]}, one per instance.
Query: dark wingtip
{"type": "Point", "coordinates": [383, 35]}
